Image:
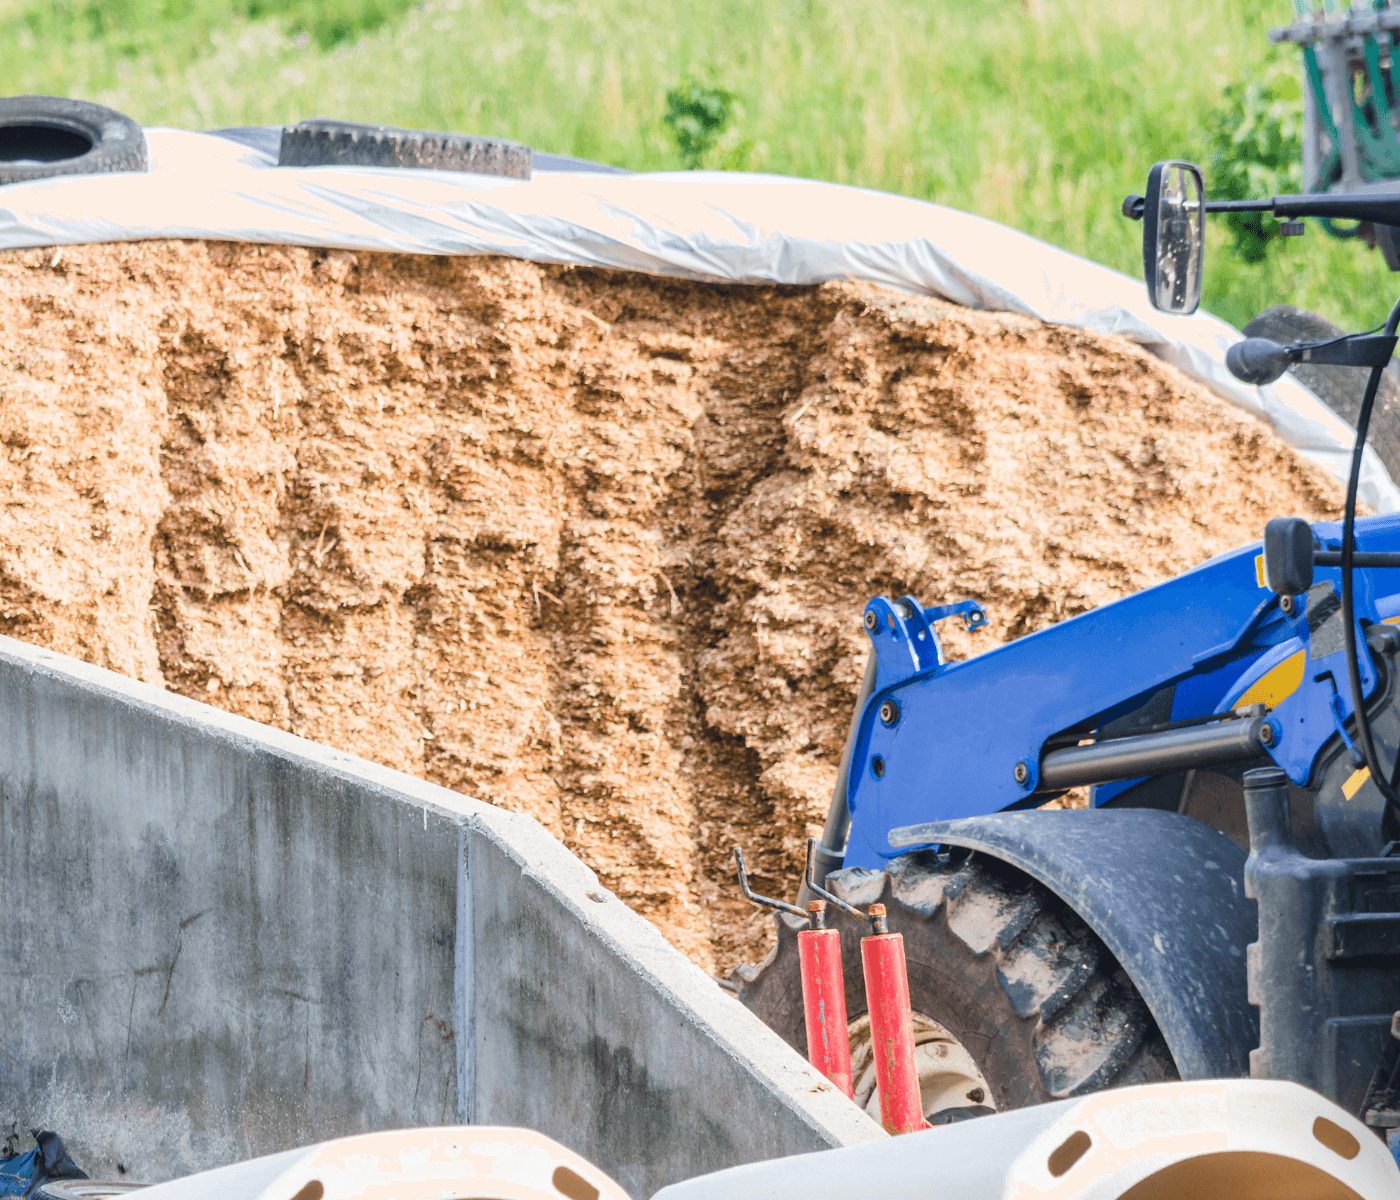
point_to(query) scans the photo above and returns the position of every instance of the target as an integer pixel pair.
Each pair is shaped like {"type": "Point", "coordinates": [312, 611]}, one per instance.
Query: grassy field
{"type": "Point", "coordinates": [1043, 124]}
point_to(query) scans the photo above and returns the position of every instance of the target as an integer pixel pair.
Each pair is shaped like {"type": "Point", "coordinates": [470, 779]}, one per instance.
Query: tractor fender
{"type": "Point", "coordinates": [1165, 894]}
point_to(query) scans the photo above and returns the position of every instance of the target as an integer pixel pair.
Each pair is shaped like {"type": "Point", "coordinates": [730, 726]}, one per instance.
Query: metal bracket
{"type": "Point", "coordinates": [973, 615]}
{"type": "Point", "coordinates": [810, 878]}
{"type": "Point", "coordinates": [904, 642]}
{"type": "Point", "coordinates": [904, 639]}
{"type": "Point", "coordinates": [1373, 350]}
{"type": "Point", "coordinates": [1334, 703]}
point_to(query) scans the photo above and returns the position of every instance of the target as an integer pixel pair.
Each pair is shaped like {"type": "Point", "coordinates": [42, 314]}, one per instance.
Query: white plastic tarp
{"type": "Point", "coordinates": [697, 225]}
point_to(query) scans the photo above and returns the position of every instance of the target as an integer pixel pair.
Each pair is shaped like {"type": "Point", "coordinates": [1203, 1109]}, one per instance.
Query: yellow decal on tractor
{"type": "Point", "coordinates": [1355, 781]}
{"type": "Point", "coordinates": [1276, 684]}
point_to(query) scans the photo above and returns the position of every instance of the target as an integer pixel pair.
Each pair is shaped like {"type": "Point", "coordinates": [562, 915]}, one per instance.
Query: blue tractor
{"type": "Point", "coordinates": [1225, 898]}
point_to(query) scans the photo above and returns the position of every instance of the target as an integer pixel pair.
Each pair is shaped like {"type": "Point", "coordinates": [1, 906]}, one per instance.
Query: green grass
{"type": "Point", "coordinates": [967, 102]}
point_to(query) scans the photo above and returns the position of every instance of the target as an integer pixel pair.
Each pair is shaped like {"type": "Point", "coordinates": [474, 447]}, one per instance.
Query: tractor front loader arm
{"type": "Point", "coordinates": [1162, 681]}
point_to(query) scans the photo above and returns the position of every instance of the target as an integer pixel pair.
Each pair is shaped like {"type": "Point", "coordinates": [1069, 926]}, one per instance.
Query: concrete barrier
{"type": "Point", "coordinates": [220, 941]}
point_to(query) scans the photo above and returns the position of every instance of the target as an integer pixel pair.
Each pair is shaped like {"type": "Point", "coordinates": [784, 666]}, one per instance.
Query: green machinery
{"type": "Point", "coordinates": [1351, 135]}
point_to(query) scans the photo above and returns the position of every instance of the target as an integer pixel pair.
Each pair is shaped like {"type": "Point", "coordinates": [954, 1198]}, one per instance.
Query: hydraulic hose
{"type": "Point", "coordinates": [1384, 780]}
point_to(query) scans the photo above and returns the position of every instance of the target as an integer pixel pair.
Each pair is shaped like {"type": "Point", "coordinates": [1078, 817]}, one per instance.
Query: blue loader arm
{"type": "Point", "coordinates": [939, 740]}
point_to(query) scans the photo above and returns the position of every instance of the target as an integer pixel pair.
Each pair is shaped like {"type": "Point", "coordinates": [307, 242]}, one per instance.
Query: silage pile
{"type": "Point", "coordinates": [589, 545]}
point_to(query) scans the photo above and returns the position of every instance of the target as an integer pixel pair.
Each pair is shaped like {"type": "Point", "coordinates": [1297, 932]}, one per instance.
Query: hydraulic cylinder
{"type": "Point", "coordinates": [824, 999]}
{"type": "Point", "coordinates": [891, 1026]}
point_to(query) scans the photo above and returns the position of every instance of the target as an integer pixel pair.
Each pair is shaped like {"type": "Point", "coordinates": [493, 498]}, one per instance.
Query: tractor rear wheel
{"type": "Point", "coordinates": [1016, 1000]}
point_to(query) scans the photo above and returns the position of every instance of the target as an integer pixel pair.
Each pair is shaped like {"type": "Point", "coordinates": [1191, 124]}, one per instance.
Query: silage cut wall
{"type": "Point", "coordinates": [588, 545]}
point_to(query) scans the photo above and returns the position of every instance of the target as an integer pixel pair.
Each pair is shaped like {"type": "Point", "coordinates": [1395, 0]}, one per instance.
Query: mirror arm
{"type": "Point", "coordinates": [1134, 206]}
{"type": "Point", "coordinates": [1359, 350]}
{"type": "Point", "coordinates": [1234, 206]}
{"type": "Point", "coordinates": [1382, 208]}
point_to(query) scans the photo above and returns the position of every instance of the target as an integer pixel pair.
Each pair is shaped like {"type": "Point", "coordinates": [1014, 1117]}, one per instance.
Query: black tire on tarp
{"type": "Point", "coordinates": [1005, 966]}
{"type": "Point", "coordinates": [45, 136]}
{"type": "Point", "coordinates": [325, 143]}
{"type": "Point", "coordinates": [1340, 388]}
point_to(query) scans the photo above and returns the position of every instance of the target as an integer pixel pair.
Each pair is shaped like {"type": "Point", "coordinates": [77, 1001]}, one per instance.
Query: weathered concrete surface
{"type": "Point", "coordinates": [219, 940]}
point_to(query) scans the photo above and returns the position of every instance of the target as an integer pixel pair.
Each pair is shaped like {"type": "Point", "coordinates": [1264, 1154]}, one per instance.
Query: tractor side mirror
{"type": "Point", "coordinates": [1174, 236]}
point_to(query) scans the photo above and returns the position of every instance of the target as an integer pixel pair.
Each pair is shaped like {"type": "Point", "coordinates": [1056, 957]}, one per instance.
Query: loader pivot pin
{"type": "Point", "coordinates": [891, 1026]}
{"type": "Point", "coordinates": [823, 981]}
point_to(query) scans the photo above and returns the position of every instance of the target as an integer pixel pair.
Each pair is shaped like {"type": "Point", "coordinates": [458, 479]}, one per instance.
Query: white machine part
{"type": "Point", "coordinates": [453, 1163]}
{"type": "Point", "coordinates": [1214, 1140]}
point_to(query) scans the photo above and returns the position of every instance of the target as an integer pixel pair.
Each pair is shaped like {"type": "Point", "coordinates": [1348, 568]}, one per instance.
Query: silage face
{"type": "Point", "coordinates": [589, 545]}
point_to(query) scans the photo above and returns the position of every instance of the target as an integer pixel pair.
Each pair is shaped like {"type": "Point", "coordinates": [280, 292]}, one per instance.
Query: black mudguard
{"type": "Point", "coordinates": [1164, 893]}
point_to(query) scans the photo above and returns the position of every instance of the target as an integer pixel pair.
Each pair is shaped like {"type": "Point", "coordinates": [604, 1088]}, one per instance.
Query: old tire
{"type": "Point", "coordinates": [1014, 977]}
{"type": "Point", "coordinates": [45, 136]}
{"type": "Point", "coordinates": [322, 143]}
{"type": "Point", "coordinates": [1340, 388]}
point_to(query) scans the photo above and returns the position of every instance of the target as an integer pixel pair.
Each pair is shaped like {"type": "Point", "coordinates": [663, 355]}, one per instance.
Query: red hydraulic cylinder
{"type": "Point", "coordinates": [824, 999]}
{"type": "Point", "coordinates": [891, 1027]}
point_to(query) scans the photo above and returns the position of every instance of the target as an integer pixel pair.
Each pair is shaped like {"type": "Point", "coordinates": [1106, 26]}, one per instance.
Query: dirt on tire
{"type": "Point", "coordinates": [590, 545]}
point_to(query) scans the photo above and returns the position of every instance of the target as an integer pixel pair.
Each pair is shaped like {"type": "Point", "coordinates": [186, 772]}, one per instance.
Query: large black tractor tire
{"type": "Point", "coordinates": [322, 143]}
{"type": "Point", "coordinates": [1001, 972]}
{"type": "Point", "coordinates": [45, 136]}
{"type": "Point", "coordinates": [1340, 388]}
